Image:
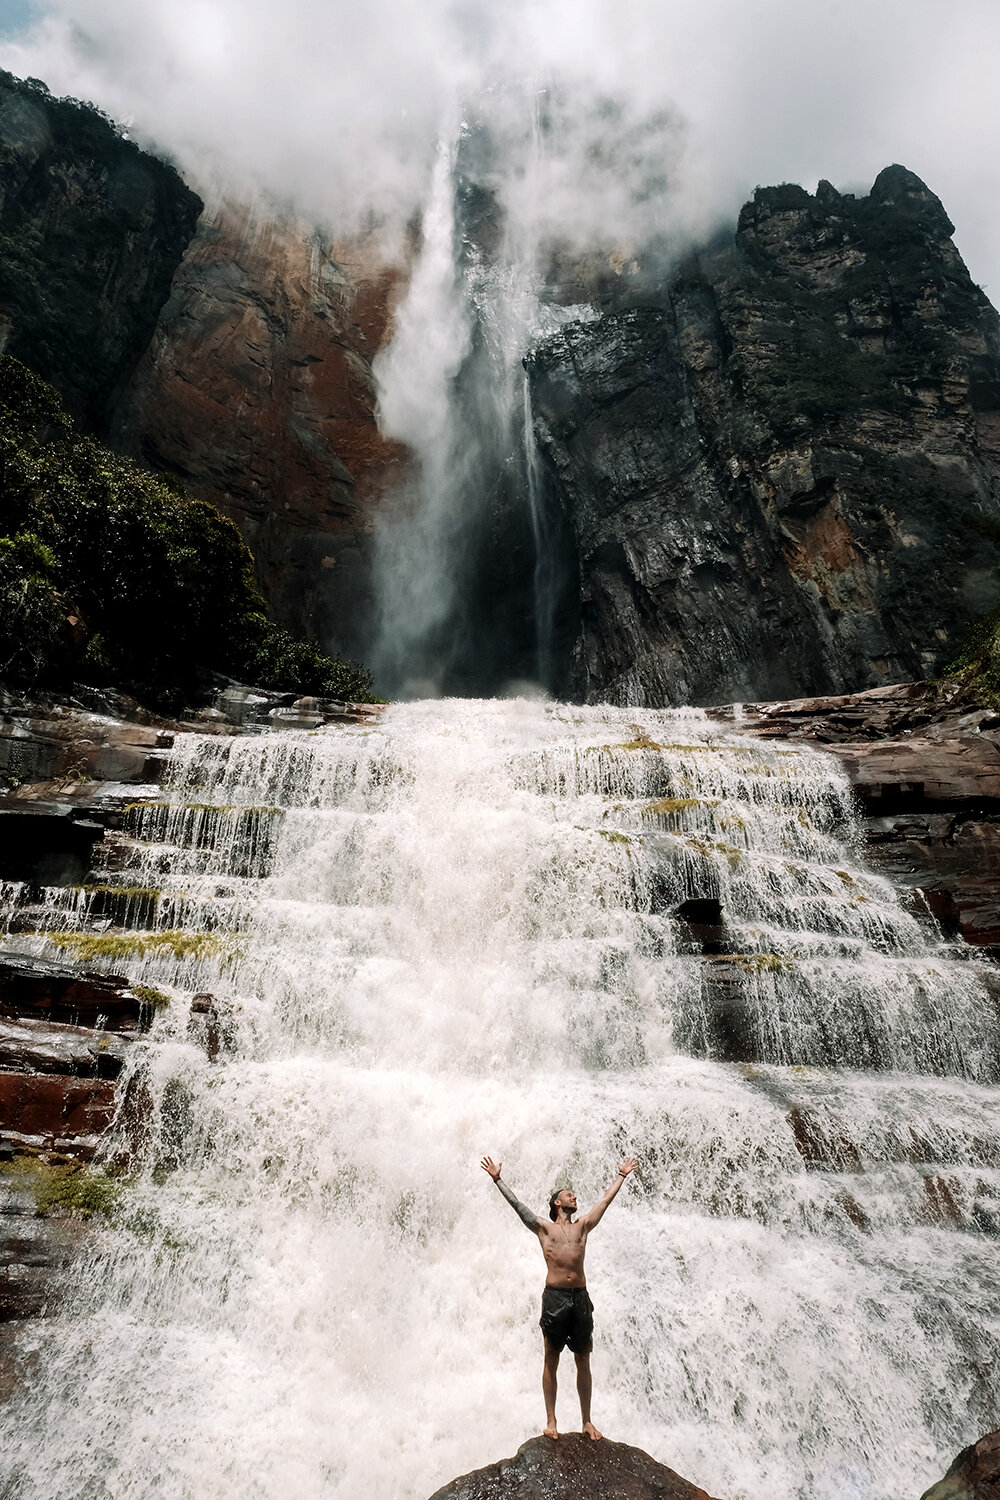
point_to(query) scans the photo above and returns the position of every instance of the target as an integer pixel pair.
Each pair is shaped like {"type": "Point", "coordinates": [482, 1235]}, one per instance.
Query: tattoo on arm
{"type": "Point", "coordinates": [524, 1214]}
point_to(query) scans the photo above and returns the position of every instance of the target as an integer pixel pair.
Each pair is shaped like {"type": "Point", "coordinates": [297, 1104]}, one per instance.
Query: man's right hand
{"type": "Point", "coordinates": [493, 1167]}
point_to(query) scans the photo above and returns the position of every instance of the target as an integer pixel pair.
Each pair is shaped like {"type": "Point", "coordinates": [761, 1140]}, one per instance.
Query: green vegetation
{"type": "Point", "coordinates": [666, 807]}
{"type": "Point", "coordinates": [706, 847]}
{"type": "Point", "coordinates": [757, 963]}
{"type": "Point", "coordinates": [64, 1186]}
{"type": "Point", "coordinates": [112, 576]}
{"type": "Point", "coordinates": [87, 947]}
{"type": "Point", "coordinates": [978, 662]}
{"type": "Point", "coordinates": [136, 892]}
{"type": "Point", "coordinates": [154, 998]}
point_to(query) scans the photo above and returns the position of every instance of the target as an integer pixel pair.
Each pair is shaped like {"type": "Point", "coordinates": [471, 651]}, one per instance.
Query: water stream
{"type": "Point", "coordinates": [456, 932]}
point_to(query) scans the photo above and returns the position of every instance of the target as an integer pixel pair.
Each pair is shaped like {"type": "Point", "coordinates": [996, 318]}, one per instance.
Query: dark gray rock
{"type": "Point", "coordinates": [92, 230]}
{"type": "Point", "coordinates": [782, 470]}
{"type": "Point", "coordinates": [570, 1468]}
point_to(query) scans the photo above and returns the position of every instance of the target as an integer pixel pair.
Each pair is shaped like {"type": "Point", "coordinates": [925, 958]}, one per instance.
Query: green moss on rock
{"type": "Point", "coordinates": [88, 947]}
{"type": "Point", "coordinates": [64, 1187]}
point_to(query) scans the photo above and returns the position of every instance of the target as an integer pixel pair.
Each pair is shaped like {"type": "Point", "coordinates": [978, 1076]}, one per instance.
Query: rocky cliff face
{"type": "Point", "coordinates": [91, 232]}
{"type": "Point", "coordinates": [257, 389]}
{"type": "Point", "coordinates": [782, 472]}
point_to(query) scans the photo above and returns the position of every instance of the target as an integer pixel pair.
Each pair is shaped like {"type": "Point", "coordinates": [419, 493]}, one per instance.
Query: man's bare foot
{"type": "Point", "coordinates": [589, 1430]}
{"type": "Point", "coordinates": [550, 1429]}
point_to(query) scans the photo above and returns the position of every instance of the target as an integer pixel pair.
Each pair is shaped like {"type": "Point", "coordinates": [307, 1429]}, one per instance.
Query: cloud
{"type": "Point", "coordinates": [336, 107]}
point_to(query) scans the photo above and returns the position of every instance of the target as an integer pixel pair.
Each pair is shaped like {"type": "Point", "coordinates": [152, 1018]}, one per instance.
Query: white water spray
{"type": "Point", "coordinates": [417, 542]}
{"type": "Point", "coordinates": [453, 389]}
{"type": "Point", "coordinates": [453, 933]}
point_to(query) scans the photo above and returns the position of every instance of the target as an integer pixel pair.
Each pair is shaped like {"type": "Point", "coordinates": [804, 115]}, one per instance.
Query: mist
{"type": "Point", "coordinates": [335, 111]}
{"type": "Point", "coordinates": [541, 145]}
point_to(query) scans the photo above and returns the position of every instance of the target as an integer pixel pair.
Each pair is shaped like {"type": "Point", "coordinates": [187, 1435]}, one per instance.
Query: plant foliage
{"type": "Point", "coordinates": [111, 575]}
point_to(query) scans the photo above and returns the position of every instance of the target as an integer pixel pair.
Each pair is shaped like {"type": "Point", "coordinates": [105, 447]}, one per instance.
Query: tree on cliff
{"type": "Point", "coordinates": [112, 576]}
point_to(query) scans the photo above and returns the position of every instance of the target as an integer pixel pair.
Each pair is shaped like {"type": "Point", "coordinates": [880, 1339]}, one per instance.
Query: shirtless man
{"type": "Point", "coordinates": [567, 1311]}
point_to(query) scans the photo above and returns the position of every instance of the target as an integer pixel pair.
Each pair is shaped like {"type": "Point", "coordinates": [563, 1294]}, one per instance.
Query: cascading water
{"type": "Point", "coordinates": [454, 933]}
{"type": "Point", "coordinates": [452, 387]}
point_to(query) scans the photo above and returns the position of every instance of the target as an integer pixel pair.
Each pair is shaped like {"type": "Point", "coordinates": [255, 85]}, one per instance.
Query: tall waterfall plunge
{"type": "Point", "coordinates": [469, 563]}
{"type": "Point", "coordinates": [456, 932]}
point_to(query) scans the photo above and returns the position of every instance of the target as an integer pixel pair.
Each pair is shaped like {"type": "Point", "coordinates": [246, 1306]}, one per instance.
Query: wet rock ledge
{"type": "Point", "coordinates": [569, 1469]}
{"type": "Point", "coordinates": [924, 761]}
{"type": "Point", "coordinates": [975, 1474]}
{"type": "Point", "coordinates": [574, 1468]}
{"type": "Point", "coordinates": [69, 767]}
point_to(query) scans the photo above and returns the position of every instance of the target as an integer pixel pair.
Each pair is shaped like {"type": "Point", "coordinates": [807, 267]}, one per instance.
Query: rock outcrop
{"type": "Point", "coordinates": [91, 232]}
{"type": "Point", "coordinates": [924, 761]}
{"type": "Point", "coordinates": [975, 1474]}
{"type": "Point", "coordinates": [782, 470]}
{"type": "Point", "coordinates": [570, 1468]}
{"type": "Point", "coordinates": [258, 390]}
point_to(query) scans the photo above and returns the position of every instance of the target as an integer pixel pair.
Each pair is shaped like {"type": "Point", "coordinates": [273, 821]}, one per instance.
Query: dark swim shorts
{"type": "Point", "coordinates": [568, 1318]}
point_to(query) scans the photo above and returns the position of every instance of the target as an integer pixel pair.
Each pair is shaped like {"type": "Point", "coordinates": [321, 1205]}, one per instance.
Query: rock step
{"type": "Point", "coordinates": [57, 1111]}
{"type": "Point", "coordinates": [34, 988]}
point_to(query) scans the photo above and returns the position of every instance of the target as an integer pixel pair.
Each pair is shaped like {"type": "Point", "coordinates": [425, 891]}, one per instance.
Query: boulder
{"type": "Point", "coordinates": [573, 1468]}
{"type": "Point", "coordinates": [975, 1474]}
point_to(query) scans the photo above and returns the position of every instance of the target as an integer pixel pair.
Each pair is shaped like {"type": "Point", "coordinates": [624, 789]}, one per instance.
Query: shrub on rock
{"type": "Point", "coordinates": [114, 576]}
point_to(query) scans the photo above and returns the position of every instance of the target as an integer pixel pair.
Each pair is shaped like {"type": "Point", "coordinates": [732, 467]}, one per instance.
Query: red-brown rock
{"type": "Point", "coordinates": [54, 1107]}
{"type": "Point", "coordinates": [258, 390]}
{"type": "Point", "coordinates": [573, 1468]}
{"type": "Point", "coordinates": [975, 1474]}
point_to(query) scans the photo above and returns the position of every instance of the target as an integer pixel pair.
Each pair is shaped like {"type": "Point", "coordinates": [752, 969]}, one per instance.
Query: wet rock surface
{"type": "Point", "coordinates": [781, 468]}
{"type": "Point", "coordinates": [64, 1039]}
{"type": "Point", "coordinates": [569, 1468]}
{"type": "Point", "coordinates": [924, 760]}
{"type": "Point", "coordinates": [257, 388]}
{"type": "Point", "coordinates": [975, 1474]}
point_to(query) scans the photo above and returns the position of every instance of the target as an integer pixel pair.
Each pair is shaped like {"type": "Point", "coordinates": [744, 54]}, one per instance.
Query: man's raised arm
{"type": "Point", "coordinates": [595, 1215]}
{"type": "Point", "coordinates": [525, 1214]}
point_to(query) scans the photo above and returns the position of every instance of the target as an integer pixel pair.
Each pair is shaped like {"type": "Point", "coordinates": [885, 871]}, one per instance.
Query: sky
{"type": "Point", "coordinates": [335, 107]}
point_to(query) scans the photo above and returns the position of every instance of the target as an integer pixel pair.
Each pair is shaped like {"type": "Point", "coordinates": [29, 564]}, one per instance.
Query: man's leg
{"type": "Point", "coordinates": [583, 1387]}
{"type": "Point", "coordinates": [549, 1389]}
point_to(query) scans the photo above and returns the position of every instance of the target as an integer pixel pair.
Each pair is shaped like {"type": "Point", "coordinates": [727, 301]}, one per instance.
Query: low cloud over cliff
{"type": "Point", "coordinates": [337, 106]}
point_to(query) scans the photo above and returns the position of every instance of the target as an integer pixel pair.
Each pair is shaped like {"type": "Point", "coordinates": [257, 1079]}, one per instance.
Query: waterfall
{"type": "Point", "coordinates": [419, 543]}
{"type": "Point", "coordinates": [452, 387]}
{"type": "Point", "coordinates": [457, 932]}
{"type": "Point", "coordinates": [546, 579]}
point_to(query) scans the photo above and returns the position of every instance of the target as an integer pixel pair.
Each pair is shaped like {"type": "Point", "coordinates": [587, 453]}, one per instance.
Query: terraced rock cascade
{"type": "Point", "coordinates": [552, 934]}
